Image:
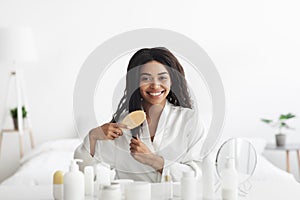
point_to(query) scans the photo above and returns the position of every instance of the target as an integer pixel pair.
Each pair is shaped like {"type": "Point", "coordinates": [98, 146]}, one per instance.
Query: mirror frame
{"type": "Point", "coordinates": [111, 49]}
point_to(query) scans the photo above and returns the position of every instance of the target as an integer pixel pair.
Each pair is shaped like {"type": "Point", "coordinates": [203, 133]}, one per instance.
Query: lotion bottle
{"type": "Point", "coordinates": [168, 185]}
{"type": "Point", "coordinates": [74, 182]}
{"type": "Point", "coordinates": [230, 180]}
{"type": "Point", "coordinates": [188, 186]}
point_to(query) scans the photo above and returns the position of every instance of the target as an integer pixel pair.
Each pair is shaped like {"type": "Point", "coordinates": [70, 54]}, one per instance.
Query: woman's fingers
{"type": "Point", "coordinates": [116, 129]}
{"type": "Point", "coordinates": [111, 131]}
{"type": "Point", "coordinates": [135, 141]}
{"type": "Point", "coordinates": [108, 131]}
{"type": "Point", "coordinates": [132, 150]}
{"type": "Point", "coordinates": [114, 135]}
{"type": "Point", "coordinates": [135, 148]}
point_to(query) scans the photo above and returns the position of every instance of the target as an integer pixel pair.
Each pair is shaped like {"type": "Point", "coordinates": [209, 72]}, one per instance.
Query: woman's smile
{"type": "Point", "coordinates": [156, 93]}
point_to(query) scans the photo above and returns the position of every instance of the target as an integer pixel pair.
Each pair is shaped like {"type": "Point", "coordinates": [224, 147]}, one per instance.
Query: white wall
{"type": "Point", "coordinates": [253, 44]}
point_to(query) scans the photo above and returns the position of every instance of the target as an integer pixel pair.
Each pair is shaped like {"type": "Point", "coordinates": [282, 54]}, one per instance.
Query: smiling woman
{"type": "Point", "coordinates": [172, 134]}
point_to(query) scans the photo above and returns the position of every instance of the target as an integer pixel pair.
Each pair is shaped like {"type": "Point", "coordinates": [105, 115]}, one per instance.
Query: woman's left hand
{"type": "Point", "coordinates": [142, 153]}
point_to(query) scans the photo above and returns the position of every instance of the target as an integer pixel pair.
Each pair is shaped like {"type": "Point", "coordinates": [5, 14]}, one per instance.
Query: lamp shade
{"type": "Point", "coordinates": [17, 45]}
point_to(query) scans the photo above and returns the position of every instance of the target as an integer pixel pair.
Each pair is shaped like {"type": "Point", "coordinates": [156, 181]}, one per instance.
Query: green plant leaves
{"type": "Point", "coordinates": [281, 122]}
{"type": "Point", "coordinates": [287, 116]}
{"type": "Point", "coordinates": [14, 112]}
{"type": "Point", "coordinates": [268, 121]}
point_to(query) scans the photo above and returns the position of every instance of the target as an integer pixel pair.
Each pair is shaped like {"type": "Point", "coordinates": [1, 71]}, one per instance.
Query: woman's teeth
{"type": "Point", "coordinates": [155, 93]}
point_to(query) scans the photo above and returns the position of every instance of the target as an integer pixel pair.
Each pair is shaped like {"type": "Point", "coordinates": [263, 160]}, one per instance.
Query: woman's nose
{"type": "Point", "coordinates": [155, 84]}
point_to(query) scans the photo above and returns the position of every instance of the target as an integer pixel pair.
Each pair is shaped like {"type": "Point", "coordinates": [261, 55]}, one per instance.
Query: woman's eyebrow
{"type": "Point", "coordinates": [148, 74]}
{"type": "Point", "coordinates": [161, 73]}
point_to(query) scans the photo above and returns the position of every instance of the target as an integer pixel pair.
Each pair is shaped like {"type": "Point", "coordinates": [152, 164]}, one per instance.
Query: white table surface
{"type": "Point", "coordinates": [261, 190]}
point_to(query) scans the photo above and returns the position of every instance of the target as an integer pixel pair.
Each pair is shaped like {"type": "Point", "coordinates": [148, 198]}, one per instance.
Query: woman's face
{"type": "Point", "coordinates": [155, 83]}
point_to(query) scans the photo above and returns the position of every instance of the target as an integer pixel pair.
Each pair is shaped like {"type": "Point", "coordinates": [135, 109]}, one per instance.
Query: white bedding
{"type": "Point", "coordinates": [265, 170]}
{"type": "Point", "coordinates": [40, 164]}
{"type": "Point", "coordinates": [38, 167]}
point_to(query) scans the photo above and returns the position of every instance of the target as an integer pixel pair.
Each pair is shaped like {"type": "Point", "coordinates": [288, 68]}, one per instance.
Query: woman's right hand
{"type": "Point", "coordinates": [108, 131]}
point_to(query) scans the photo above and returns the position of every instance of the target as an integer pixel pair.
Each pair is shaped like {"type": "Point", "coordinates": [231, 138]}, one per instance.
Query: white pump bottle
{"type": "Point", "coordinates": [74, 182]}
{"type": "Point", "coordinates": [230, 180]}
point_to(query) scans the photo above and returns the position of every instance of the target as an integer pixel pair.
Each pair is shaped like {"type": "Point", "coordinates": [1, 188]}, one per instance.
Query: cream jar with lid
{"type": "Point", "coordinates": [138, 191]}
{"type": "Point", "coordinates": [111, 192]}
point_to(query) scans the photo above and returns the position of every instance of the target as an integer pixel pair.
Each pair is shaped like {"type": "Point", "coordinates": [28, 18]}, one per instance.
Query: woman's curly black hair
{"type": "Point", "coordinates": [132, 99]}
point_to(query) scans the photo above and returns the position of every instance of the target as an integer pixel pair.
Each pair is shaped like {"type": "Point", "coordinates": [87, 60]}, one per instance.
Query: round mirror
{"type": "Point", "coordinates": [209, 87]}
{"type": "Point", "coordinates": [244, 155]}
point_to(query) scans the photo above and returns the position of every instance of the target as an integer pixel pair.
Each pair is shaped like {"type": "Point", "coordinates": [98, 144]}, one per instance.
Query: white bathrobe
{"type": "Point", "coordinates": [178, 139]}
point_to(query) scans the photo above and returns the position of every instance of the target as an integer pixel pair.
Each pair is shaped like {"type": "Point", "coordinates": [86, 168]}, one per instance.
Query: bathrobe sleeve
{"type": "Point", "coordinates": [104, 152]}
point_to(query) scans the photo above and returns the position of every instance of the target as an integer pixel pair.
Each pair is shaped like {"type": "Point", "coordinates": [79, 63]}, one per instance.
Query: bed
{"type": "Point", "coordinates": [38, 166]}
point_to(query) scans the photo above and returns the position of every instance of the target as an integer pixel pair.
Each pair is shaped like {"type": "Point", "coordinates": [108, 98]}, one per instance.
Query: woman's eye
{"type": "Point", "coordinates": [163, 78]}
{"type": "Point", "coordinates": [145, 78]}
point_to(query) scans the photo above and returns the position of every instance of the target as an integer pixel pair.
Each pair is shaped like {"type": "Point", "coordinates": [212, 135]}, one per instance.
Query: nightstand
{"type": "Point", "coordinates": [287, 148]}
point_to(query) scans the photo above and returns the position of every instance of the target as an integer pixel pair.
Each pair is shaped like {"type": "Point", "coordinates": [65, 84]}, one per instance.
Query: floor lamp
{"type": "Point", "coordinates": [17, 46]}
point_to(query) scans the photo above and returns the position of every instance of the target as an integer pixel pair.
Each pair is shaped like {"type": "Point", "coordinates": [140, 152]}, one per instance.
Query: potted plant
{"type": "Point", "coordinates": [14, 115]}
{"type": "Point", "coordinates": [280, 124]}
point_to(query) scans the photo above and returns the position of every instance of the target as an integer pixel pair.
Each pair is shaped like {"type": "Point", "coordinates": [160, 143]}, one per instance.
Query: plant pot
{"type": "Point", "coordinates": [15, 122]}
{"type": "Point", "coordinates": [280, 139]}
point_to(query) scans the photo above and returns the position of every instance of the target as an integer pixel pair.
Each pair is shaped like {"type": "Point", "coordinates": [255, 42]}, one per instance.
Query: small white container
{"type": "Point", "coordinates": [89, 180]}
{"type": "Point", "coordinates": [103, 173]}
{"type": "Point", "coordinates": [138, 191]}
{"type": "Point", "coordinates": [188, 186]}
{"type": "Point", "coordinates": [208, 178]}
{"type": "Point", "coordinates": [110, 192]}
{"type": "Point", "coordinates": [123, 183]}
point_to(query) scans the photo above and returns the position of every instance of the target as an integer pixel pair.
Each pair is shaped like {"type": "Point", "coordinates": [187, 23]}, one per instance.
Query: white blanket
{"type": "Point", "coordinates": [38, 167]}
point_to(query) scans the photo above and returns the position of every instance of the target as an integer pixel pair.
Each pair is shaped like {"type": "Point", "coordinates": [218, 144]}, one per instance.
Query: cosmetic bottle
{"type": "Point", "coordinates": [89, 180]}
{"type": "Point", "coordinates": [102, 172]}
{"type": "Point", "coordinates": [168, 185]}
{"type": "Point", "coordinates": [230, 180]}
{"type": "Point", "coordinates": [74, 182]}
{"type": "Point", "coordinates": [188, 186]}
{"type": "Point", "coordinates": [208, 178]}
{"type": "Point", "coordinates": [58, 185]}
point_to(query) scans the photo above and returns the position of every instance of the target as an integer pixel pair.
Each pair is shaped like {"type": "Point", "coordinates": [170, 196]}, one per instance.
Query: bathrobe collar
{"type": "Point", "coordinates": [160, 130]}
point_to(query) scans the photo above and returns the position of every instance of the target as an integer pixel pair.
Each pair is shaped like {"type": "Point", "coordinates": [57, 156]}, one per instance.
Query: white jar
{"type": "Point", "coordinates": [123, 183]}
{"type": "Point", "coordinates": [138, 191]}
{"type": "Point", "coordinates": [111, 192]}
{"type": "Point", "coordinates": [188, 186]}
